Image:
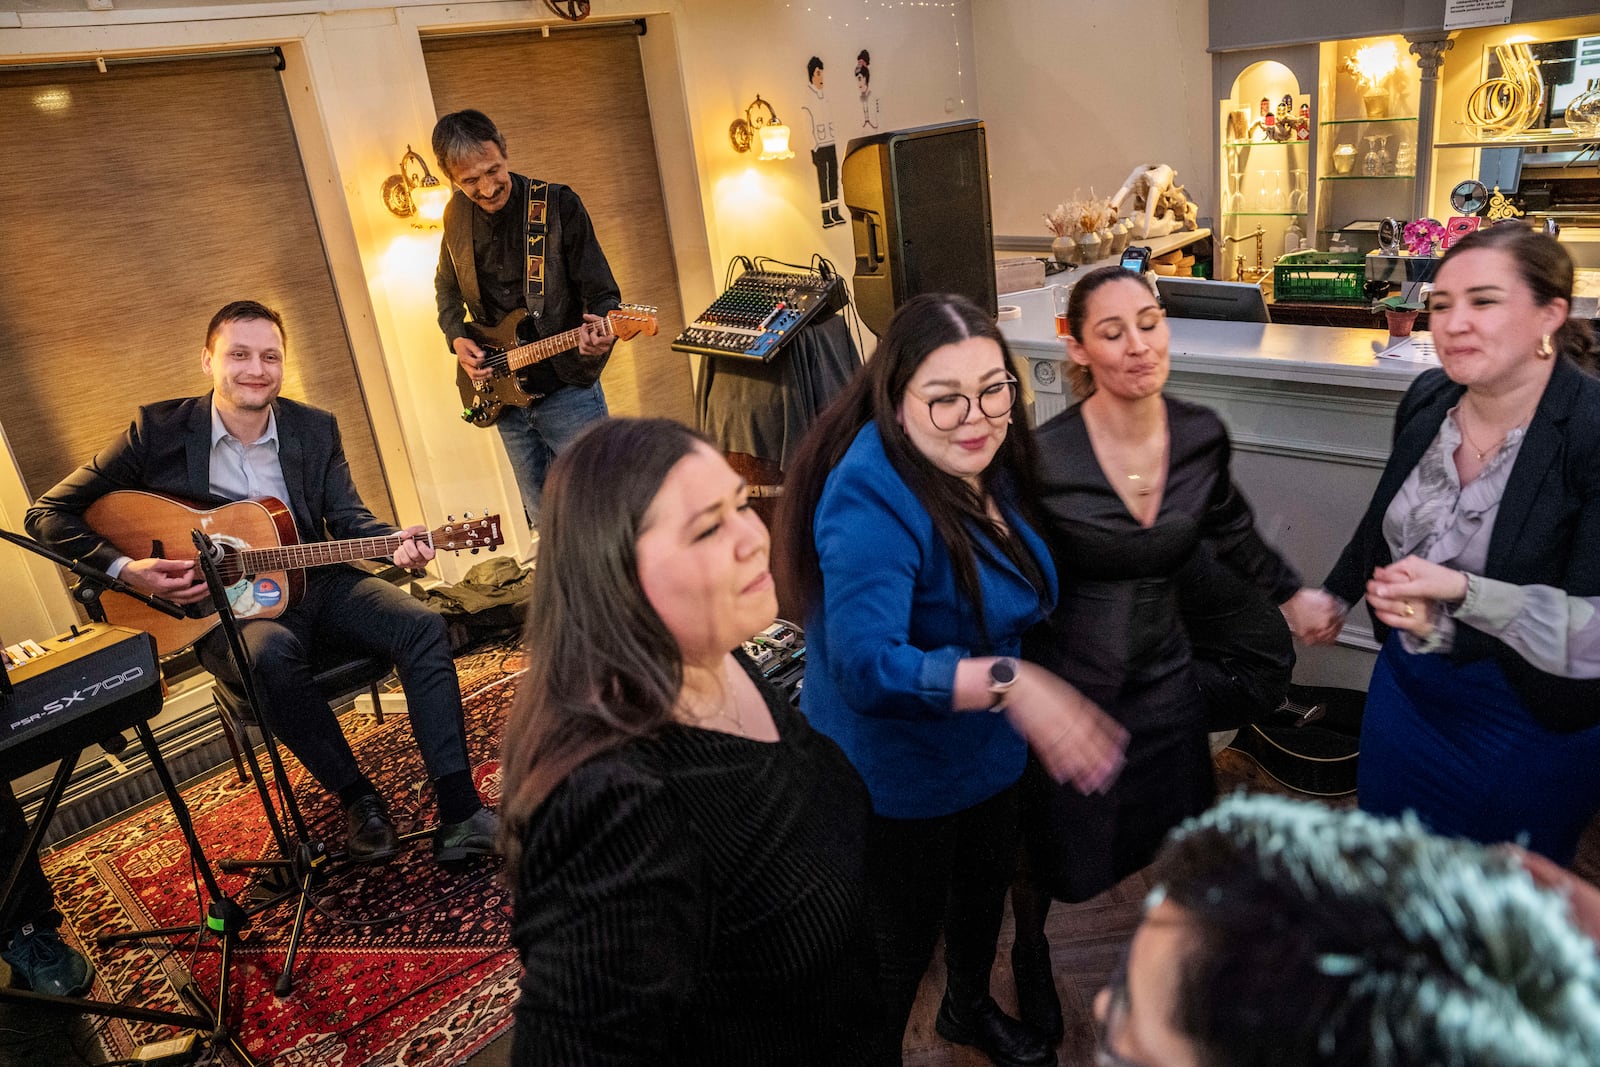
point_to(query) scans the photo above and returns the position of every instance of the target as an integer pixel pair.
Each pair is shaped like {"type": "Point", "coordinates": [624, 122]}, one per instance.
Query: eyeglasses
{"type": "Point", "coordinates": [1116, 1016]}
{"type": "Point", "coordinates": [951, 410]}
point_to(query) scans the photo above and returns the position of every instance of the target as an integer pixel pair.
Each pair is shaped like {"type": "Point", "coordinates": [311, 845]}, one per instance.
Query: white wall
{"type": "Point", "coordinates": [1075, 93]}
{"type": "Point", "coordinates": [922, 72]}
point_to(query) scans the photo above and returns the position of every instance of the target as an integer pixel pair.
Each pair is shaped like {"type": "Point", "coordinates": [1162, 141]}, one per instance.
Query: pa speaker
{"type": "Point", "coordinates": [919, 213]}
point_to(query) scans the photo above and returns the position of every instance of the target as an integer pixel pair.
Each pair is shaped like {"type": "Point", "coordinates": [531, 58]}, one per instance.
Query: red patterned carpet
{"type": "Point", "coordinates": [407, 963]}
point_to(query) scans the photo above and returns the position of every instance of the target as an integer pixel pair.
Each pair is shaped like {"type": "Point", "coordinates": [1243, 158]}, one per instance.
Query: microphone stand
{"type": "Point", "coordinates": [92, 581]}
{"type": "Point", "coordinates": [304, 860]}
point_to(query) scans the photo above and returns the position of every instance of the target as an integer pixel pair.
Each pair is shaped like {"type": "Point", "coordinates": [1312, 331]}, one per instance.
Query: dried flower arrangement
{"type": "Point", "coordinates": [1057, 222]}
{"type": "Point", "coordinates": [1079, 216]}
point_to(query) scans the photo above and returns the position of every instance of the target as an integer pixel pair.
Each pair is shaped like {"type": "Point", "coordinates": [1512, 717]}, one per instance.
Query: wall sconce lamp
{"type": "Point", "coordinates": [761, 123]}
{"type": "Point", "coordinates": [415, 191]}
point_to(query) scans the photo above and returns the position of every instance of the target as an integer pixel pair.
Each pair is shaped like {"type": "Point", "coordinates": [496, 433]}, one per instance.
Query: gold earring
{"type": "Point", "coordinates": [1547, 348]}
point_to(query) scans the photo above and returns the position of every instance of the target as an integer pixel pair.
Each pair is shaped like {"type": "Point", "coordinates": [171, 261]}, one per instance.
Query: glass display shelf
{"type": "Point", "coordinates": [1262, 144]}
{"type": "Point", "coordinates": [1367, 178]}
{"type": "Point", "coordinates": [1353, 122]}
{"type": "Point", "coordinates": [1526, 139]}
{"type": "Point", "coordinates": [1264, 214]}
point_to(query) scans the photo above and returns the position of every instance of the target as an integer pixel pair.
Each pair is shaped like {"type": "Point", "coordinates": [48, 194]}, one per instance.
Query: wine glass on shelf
{"type": "Point", "coordinates": [1385, 160]}
{"type": "Point", "coordinates": [1298, 194]}
{"type": "Point", "coordinates": [1275, 198]}
{"type": "Point", "coordinates": [1372, 162]}
{"type": "Point", "coordinates": [1236, 196]}
{"type": "Point", "coordinates": [1261, 190]}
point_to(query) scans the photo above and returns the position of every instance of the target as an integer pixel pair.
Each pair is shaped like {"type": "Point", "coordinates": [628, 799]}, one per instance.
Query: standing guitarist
{"type": "Point", "coordinates": [242, 441]}
{"type": "Point", "coordinates": [512, 243]}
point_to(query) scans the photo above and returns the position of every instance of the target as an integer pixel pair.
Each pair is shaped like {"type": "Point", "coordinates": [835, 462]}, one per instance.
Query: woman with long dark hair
{"type": "Point", "coordinates": [906, 535]}
{"type": "Point", "coordinates": [686, 852]}
{"type": "Point", "coordinates": [1480, 560]}
{"type": "Point", "coordinates": [1137, 498]}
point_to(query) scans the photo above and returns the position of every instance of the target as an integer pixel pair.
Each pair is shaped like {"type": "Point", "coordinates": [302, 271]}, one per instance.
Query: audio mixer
{"type": "Point", "coordinates": [761, 312]}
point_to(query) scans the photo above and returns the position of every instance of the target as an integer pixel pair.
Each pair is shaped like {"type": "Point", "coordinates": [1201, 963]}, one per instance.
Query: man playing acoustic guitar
{"type": "Point", "coordinates": [242, 441]}
{"type": "Point", "coordinates": [512, 244]}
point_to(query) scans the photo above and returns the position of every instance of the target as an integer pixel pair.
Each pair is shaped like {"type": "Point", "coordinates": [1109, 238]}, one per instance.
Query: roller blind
{"type": "Point", "coordinates": [573, 110]}
{"type": "Point", "coordinates": [136, 203]}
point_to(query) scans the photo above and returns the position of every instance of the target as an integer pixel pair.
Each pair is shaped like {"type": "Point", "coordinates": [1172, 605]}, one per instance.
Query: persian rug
{"type": "Point", "coordinates": [404, 963]}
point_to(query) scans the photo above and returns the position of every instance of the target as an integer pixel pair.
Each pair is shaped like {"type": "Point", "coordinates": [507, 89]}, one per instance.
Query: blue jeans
{"type": "Point", "coordinates": [534, 434]}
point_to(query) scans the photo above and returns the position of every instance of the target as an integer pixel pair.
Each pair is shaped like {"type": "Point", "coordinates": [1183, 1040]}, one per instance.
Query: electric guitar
{"type": "Point", "coordinates": [507, 350]}
{"type": "Point", "coordinates": [263, 562]}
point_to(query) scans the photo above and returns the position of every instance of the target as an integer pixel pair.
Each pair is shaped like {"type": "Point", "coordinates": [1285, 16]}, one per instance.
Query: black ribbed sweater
{"type": "Point", "coordinates": [698, 898]}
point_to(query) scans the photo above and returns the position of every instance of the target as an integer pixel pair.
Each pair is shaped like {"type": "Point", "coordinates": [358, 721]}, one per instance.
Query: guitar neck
{"type": "Point", "coordinates": [538, 351]}
{"type": "Point", "coordinates": [318, 553]}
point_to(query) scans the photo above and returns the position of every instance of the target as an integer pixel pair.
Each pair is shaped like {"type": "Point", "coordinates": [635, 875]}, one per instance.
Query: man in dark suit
{"type": "Point", "coordinates": [513, 243]}
{"type": "Point", "coordinates": [240, 441]}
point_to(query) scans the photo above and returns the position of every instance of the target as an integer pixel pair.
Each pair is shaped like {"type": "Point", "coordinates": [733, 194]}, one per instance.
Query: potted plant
{"type": "Point", "coordinates": [1401, 313]}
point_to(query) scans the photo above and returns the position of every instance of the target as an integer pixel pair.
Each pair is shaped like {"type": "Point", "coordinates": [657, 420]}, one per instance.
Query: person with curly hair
{"type": "Point", "coordinates": [1284, 932]}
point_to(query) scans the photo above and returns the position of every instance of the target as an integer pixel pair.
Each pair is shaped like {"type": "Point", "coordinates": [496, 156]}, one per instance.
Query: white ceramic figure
{"type": "Point", "coordinates": [1161, 206]}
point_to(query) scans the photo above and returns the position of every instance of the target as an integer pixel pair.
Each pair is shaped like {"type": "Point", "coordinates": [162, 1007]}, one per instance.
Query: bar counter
{"type": "Point", "coordinates": [1310, 410]}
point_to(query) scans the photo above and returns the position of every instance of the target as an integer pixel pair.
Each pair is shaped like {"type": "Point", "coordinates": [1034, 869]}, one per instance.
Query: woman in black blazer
{"type": "Point", "coordinates": [1483, 708]}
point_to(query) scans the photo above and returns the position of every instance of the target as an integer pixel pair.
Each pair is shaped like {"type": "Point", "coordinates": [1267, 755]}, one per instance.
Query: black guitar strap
{"type": "Point", "coordinates": [538, 233]}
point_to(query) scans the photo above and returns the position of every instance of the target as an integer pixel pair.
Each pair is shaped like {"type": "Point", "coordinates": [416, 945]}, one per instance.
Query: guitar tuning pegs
{"type": "Point", "coordinates": [467, 516]}
{"type": "Point", "coordinates": [475, 551]}
{"type": "Point", "coordinates": [449, 518]}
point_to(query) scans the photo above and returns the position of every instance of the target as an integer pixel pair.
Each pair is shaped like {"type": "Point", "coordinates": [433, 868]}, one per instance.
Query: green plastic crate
{"type": "Point", "coordinates": [1320, 278]}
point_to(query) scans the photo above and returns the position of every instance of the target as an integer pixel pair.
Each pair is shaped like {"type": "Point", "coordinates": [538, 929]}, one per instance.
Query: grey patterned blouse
{"type": "Point", "coordinates": [1434, 517]}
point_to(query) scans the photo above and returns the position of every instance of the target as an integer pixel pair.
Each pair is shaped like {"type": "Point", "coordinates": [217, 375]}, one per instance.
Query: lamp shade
{"type": "Point", "coordinates": [775, 142]}
{"type": "Point", "coordinates": [431, 197]}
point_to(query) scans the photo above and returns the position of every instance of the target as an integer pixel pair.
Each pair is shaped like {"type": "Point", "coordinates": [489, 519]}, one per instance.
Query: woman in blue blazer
{"type": "Point", "coordinates": [906, 535]}
{"type": "Point", "coordinates": [1480, 560]}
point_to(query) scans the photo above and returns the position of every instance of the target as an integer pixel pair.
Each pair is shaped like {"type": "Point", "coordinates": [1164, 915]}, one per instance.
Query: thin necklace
{"type": "Point", "coordinates": [1476, 451]}
{"type": "Point", "coordinates": [1461, 424]}
{"type": "Point", "coordinates": [736, 716]}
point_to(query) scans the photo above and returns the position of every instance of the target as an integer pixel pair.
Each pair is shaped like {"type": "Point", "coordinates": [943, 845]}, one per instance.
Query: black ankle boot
{"type": "Point", "coordinates": [992, 1032]}
{"type": "Point", "coordinates": [1037, 1000]}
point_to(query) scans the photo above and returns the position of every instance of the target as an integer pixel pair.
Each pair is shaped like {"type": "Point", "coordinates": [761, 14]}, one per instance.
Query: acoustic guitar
{"type": "Point", "coordinates": [1311, 743]}
{"type": "Point", "coordinates": [507, 350]}
{"type": "Point", "coordinates": [263, 562]}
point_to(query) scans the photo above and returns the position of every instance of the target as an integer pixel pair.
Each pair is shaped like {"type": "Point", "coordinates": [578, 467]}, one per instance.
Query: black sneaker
{"type": "Point", "coordinates": [472, 836]}
{"type": "Point", "coordinates": [371, 836]}
{"type": "Point", "coordinates": [992, 1032]}
{"type": "Point", "coordinates": [46, 964]}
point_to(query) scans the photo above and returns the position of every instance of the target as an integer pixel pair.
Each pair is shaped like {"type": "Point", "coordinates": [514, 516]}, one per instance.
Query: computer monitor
{"type": "Point", "coordinates": [1198, 298]}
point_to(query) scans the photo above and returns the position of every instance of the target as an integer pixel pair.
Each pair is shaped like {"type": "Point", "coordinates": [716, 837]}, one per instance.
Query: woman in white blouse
{"type": "Point", "coordinates": [1480, 561]}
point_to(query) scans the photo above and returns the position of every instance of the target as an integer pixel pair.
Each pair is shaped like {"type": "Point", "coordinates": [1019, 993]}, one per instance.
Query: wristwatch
{"type": "Point", "coordinates": [1003, 674]}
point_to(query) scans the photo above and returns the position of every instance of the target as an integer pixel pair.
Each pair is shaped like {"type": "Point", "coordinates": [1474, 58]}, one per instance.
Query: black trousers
{"type": "Point", "coordinates": [826, 160]}
{"type": "Point", "coordinates": [349, 609]}
{"type": "Point", "coordinates": [31, 899]}
{"type": "Point", "coordinates": [926, 875]}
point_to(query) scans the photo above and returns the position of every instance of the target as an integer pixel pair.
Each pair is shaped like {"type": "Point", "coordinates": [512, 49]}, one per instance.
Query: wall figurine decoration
{"type": "Point", "coordinates": [870, 109]}
{"type": "Point", "coordinates": [824, 150]}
